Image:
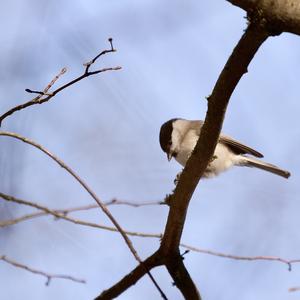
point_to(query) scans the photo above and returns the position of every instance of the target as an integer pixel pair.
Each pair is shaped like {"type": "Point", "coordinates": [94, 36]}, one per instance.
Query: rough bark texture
{"type": "Point", "coordinates": [181, 277]}
{"type": "Point", "coordinates": [132, 278]}
{"type": "Point", "coordinates": [281, 15]}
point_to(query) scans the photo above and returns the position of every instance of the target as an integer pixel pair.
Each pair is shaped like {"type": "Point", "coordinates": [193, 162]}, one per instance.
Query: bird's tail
{"type": "Point", "coordinates": [253, 162]}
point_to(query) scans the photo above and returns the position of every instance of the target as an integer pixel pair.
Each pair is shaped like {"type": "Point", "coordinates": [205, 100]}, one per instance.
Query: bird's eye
{"type": "Point", "coordinates": [170, 143]}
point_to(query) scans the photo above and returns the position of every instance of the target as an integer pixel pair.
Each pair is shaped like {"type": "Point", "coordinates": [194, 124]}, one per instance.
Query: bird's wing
{"type": "Point", "coordinates": [238, 147]}
{"type": "Point", "coordinates": [234, 145]}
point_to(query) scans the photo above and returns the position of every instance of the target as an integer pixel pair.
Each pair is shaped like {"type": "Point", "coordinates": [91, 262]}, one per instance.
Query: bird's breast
{"type": "Point", "coordinates": [222, 160]}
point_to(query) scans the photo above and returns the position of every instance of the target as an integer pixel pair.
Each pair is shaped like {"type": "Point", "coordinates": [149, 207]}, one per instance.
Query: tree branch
{"type": "Point", "coordinates": [48, 276]}
{"type": "Point", "coordinates": [92, 194]}
{"type": "Point", "coordinates": [39, 99]}
{"type": "Point", "coordinates": [234, 69]}
{"type": "Point", "coordinates": [63, 214]}
{"type": "Point", "coordinates": [288, 262]}
{"type": "Point", "coordinates": [279, 15]}
{"type": "Point", "coordinates": [266, 18]}
{"type": "Point", "coordinates": [294, 289]}
{"type": "Point", "coordinates": [60, 214]}
{"type": "Point", "coordinates": [130, 279]}
{"type": "Point", "coordinates": [181, 277]}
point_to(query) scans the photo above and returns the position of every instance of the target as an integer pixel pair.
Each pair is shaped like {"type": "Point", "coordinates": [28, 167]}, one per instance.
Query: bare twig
{"type": "Point", "coordinates": [47, 88]}
{"type": "Point", "coordinates": [63, 214]}
{"type": "Point", "coordinates": [78, 179]}
{"type": "Point", "coordinates": [288, 262]}
{"type": "Point", "coordinates": [39, 99]}
{"type": "Point", "coordinates": [134, 204]}
{"type": "Point", "coordinates": [294, 289]}
{"type": "Point", "coordinates": [60, 214]}
{"type": "Point", "coordinates": [88, 64]}
{"type": "Point", "coordinates": [48, 276]}
{"type": "Point", "coordinates": [92, 194]}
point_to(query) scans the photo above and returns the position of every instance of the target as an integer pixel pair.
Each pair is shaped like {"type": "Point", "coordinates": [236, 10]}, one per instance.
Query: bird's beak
{"type": "Point", "coordinates": [169, 155]}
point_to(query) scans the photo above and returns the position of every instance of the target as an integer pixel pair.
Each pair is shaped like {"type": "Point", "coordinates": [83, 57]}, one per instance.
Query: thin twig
{"type": "Point", "coordinates": [92, 194]}
{"type": "Point", "coordinates": [88, 64]}
{"type": "Point", "coordinates": [48, 276]}
{"type": "Point", "coordinates": [39, 99]}
{"type": "Point", "coordinates": [66, 211]}
{"type": "Point", "coordinates": [134, 204]}
{"type": "Point", "coordinates": [60, 214]}
{"type": "Point", "coordinates": [63, 214]}
{"type": "Point", "coordinates": [288, 262]}
{"type": "Point", "coordinates": [294, 289]}
{"type": "Point", "coordinates": [47, 88]}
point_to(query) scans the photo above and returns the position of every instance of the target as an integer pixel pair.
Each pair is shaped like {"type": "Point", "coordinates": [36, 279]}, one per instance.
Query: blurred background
{"type": "Point", "coordinates": [106, 128]}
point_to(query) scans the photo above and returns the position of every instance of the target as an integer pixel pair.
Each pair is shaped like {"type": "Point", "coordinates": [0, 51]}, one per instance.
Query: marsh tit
{"type": "Point", "coordinates": [178, 137]}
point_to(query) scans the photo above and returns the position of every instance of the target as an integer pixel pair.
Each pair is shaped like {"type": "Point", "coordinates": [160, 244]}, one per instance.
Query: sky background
{"type": "Point", "coordinates": [106, 128]}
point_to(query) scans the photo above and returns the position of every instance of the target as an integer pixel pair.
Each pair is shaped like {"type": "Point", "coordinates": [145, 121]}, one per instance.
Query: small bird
{"type": "Point", "coordinates": [178, 137]}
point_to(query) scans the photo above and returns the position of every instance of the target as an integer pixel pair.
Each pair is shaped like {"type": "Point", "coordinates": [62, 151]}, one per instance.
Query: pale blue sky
{"type": "Point", "coordinates": [106, 128]}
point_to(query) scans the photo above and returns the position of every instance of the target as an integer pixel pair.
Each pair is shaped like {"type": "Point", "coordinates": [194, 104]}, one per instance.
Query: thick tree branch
{"type": "Point", "coordinates": [130, 279]}
{"type": "Point", "coordinates": [48, 276]}
{"type": "Point", "coordinates": [234, 69]}
{"type": "Point", "coordinates": [181, 277]}
{"type": "Point", "coordinates": [279, 15]}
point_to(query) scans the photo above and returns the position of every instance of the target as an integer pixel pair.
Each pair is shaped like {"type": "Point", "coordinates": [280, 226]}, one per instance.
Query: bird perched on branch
{"type": "Point", "coordinates": [178, 138]}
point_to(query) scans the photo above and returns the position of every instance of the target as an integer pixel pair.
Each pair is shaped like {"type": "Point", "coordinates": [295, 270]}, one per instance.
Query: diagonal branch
{"type": "Point", "coordinates": [92, 194]}
{"type": "Point", "coordinates": [130, 279]}
{"type": "Point", "coordinates": [234, 69]}
{"type": "Point", "coordinates": [39, 99]}
{"type": "Point", "coordinates": [181, 277]}
{"type": "Point", "coordinates": [48, 276]}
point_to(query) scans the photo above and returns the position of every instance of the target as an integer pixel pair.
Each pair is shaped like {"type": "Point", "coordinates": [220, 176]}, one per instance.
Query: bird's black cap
{"type": "Point", "coordinates": [165, 135]}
